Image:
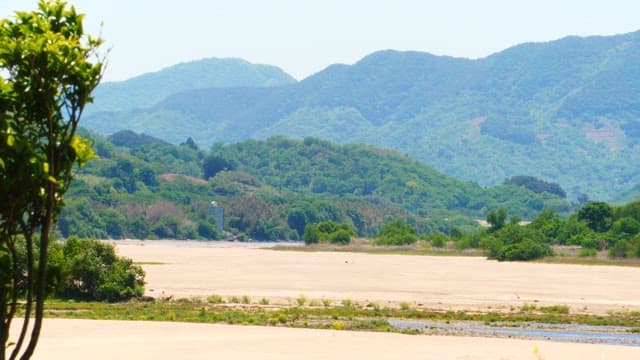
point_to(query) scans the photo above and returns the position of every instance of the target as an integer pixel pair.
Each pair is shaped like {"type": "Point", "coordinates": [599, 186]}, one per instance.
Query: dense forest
{"type": "Point", "coordinates": [143, 187]}
{"type": "Point", "coordinates": [482, 120]}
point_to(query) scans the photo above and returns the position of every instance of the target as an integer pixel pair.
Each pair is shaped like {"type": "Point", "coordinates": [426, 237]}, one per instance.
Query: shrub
{"type": "Point", "coordinates": [587, 252]}
{"type": "Point", "coordinates": [396, 233]}
{"type": "Point", "coordinates": [524, 250]}
{"type": "Point", "coordinates": [620, 249]}
{"type": "Point", "coordinates": [327, 232]}
{"type": "Point", "coordinates": [215, 299]}
{"type": "Point", "coordinates": [438, 240]}
{"type": "Point", "coordinates": [94, 272]}
{"type": "Point", "coordinates": [341, 237]}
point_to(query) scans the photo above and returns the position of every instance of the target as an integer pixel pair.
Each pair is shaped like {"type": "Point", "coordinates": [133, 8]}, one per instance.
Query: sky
{"type": "Point", "coordinates": [304, 36]}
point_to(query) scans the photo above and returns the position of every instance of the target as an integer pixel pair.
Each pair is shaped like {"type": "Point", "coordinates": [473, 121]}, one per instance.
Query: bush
{"type": "Point", "coordinates": [92, 271]}
{"type": "Point", "coordinates": [524, 250]}
{"type": "Point", "coordinates": [620, 249]}
{"type": "Point", "coordinates": [341, 237]}
{"type": "Point", "coordinates": [438, 240]}
{"type": "Point", "coordinates": [328, 232]}
{"type": "Point", "coordinates": [396, 233]}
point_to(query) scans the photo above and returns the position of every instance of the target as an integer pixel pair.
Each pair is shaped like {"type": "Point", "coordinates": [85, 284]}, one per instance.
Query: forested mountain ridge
{"type": "Point", "coordinates": [566, 111]}
{"type": "Point", "coordinates": [147, 89]}
{"type": "Point", "coordinates": [147, 188]}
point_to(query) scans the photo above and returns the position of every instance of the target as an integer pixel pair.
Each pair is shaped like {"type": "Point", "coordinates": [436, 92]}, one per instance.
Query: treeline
{"type": "Point", "coordinates": [270, 190]}
{"type": "Point", "coordinates": [595, 227]}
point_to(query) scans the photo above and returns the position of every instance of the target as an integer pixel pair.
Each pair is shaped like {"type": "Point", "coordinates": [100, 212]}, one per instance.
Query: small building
{"type": "Point", "coordinates": [217, 213]}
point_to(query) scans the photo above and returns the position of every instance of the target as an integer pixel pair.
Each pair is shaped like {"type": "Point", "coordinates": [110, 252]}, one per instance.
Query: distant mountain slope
{"type": "Point", "coordinates": [566, 111]}
{"type": "Point", "coordinates": [145, 90]}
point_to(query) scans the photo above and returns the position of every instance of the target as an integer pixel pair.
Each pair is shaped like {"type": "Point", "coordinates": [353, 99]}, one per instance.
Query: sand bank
{"type": "Point", "coordinates": [94, 339]}
{"type": "Point", "coordinates": [445, 282]}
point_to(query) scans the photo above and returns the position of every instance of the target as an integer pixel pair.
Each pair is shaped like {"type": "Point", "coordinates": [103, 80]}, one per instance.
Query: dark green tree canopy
{"type": "Point", "coordinates": [597, 215]}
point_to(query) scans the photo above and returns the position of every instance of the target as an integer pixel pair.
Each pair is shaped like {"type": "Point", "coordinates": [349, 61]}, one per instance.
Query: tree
{"type": "Point", "coordinates": [496, 218]}
{"type": "Point", "coordinates": [213, 164]}
{"type": "Point", "coordinates": [96, 273]}
{"type": "Point", "coordinates": [396, 233]}
{"type": "Point", "coordinates": [46, 78]}
{"type": "Point", "coordinates": [597, 215]}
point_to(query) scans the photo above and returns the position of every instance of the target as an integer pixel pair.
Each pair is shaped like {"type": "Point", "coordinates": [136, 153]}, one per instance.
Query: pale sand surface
{"type": "Point", "coordinates": [95, 339]}
{"type": "Point", "coordinates": [440, 282]}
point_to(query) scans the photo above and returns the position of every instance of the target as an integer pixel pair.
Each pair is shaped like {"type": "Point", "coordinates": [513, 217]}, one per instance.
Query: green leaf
{"type": "Point", "coordinates": [83, 149]}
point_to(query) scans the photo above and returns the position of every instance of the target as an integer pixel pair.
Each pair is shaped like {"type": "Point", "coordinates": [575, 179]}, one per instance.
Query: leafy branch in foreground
{"type": "Point", "coordinates": [45, 59]}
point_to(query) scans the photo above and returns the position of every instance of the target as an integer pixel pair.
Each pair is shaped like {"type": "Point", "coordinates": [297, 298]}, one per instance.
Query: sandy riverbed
{"type": "Point", "coordinates": [439, 282]}
{"type": "Point", "coordinates": [188, 269]}
{"type": "Point", "coordinates": [94, 339]}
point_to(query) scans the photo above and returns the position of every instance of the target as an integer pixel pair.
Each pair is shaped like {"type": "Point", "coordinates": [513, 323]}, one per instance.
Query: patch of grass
{"type": "Point", "coordinates": [246, 299]}
{"type": "Point", "coordinates": [264, 301]}
{"type": "Point", "coordinates": [301, 300]}
{"type": "Point", "coordinates": [351, 317]}
{"type": "Point", "coordinates": [586, 252]}
{"type": "Point", "coordinates": [555, 309]}
{"type": "Point", "coordinates": [149, 263]}
{"type": "Point", "coordinates": [526, 307]}
{"type": "Point", "coordinates": [215, 299]}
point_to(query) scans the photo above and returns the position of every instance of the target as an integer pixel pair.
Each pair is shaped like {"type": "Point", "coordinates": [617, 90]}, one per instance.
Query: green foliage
{"type": "Point", "coordinates": [145, 90]}
{"type": "Point", "coordinates": [96, 273]}
{"type": "Point", "coordinates": [514, 242]}
{"type": "Point", "coordinates": [396, 233]}
{"type": "Point", "coordinates": [213, 164]}
{"type": "Point", "coordinates": [484, 120]}
{"type": "Point", "coordinates": [597, 215]}
{"type": "Point", "coordinates": [496, 218]}
{"type": "Point", "coordinates": [46, 78]}
{"type": "Point", "coordinates": [536, 185]}
{"type": "Point", "coordinates": [328, 232]}
{"type": "Point", "coordinates": [438, 240]}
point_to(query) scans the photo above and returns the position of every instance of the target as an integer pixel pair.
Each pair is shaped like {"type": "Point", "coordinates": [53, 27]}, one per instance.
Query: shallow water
{"type": "Point", "coordinates": [608, 335]}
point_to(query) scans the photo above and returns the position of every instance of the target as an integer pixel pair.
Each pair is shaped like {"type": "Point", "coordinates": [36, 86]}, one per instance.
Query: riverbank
{"type": "Point", "coordinates": [95, 339]}
{"type": "Point", "coordinates": [445, 283]}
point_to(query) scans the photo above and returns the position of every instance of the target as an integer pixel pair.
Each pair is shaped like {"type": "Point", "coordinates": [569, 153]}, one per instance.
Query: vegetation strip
{"type": "Point", "coordinates": [324, 314]}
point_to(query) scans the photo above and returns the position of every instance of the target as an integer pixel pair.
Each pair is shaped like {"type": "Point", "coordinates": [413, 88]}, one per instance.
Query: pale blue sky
{"type": "Point", "coordinates": [305, 36]}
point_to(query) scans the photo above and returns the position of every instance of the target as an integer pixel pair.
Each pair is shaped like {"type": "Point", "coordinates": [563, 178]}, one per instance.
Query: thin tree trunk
{"type": "Point", "coordinates": [4, 330]}
{"type": "Point", "coordinates": [29, 297]}
{"type": "Point", "coordinates": [40, 293]}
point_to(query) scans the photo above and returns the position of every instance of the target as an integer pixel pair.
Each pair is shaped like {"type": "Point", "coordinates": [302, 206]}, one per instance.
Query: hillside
{"type": "Point", "coordinates": [145, 90]}
{"type": "Point", "coordinates": [566, 111]}
{"type": "Point", "coordinates": [271, 189]}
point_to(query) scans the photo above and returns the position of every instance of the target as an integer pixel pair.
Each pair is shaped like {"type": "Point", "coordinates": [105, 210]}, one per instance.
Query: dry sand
{"type": "Point", "coordinates": [438, 282]}
{"type": "Point", "coordinates": [446, 282]}
{"type": "Point", "coordinates": [92, 339]}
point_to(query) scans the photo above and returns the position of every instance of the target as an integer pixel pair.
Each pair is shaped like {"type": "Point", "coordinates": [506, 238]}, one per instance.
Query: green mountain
{"type": "Point", "coordinates": [566, 111]}
{"type": "Point", "coordinates": [147, 188]}
{"type": "Point", "coordinates": [146, 90]}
